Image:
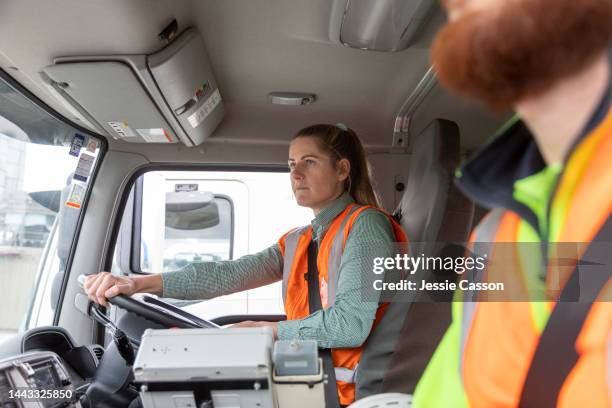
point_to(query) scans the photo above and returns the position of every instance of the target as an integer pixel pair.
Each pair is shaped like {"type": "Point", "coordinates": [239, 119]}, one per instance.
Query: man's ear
{"type": "Point", "coordinates": [343, 168]}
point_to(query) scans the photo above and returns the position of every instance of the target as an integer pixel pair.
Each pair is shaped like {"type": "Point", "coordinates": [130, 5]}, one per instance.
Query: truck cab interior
{"type": "Point", "coordinates": [113, 112]}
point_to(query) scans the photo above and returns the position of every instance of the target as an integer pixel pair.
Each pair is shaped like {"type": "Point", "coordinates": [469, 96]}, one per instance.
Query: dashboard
{"type": "Point", "coordinates": [38, 379]}
{"type": "Point", "coordinates": [44, 368]}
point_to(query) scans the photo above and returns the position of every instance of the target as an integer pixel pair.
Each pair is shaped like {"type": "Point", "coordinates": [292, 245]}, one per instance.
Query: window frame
{"type": "Point", "coordinates": [135, 247]}
{"type": "Point", "coordinates": [136, 175]}
{"type": "Point", "coordinates": [103, 146]}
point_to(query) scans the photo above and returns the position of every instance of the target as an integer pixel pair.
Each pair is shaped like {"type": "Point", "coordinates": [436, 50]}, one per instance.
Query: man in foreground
{"type": "Point", "coordinates": [548, 178]}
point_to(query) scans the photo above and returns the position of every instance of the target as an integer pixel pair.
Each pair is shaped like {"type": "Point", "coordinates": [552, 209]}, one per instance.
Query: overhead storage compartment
{"type": "Point", "coordinates": [167, 97]}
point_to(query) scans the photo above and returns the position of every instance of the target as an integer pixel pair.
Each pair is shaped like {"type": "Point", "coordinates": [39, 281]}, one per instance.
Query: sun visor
{"type": "Point", "coordinates": [170, 96]}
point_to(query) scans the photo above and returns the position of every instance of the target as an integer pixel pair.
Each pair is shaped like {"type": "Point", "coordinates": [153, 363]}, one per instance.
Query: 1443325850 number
{"type": "Point", "coordinates": [31, 394]}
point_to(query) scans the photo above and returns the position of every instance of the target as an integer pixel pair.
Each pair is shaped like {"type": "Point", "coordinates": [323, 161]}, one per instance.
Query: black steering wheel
{"type": "Point", "coordinates": [158, 311]}
{"type": "Point", "coordinates": [148, 307]}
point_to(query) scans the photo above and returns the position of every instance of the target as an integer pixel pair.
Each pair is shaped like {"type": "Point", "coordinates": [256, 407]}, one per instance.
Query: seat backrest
{"type": "Point", "coordinates": [435, 157]}
{"type": "Point", "coordinates": [432, 210]}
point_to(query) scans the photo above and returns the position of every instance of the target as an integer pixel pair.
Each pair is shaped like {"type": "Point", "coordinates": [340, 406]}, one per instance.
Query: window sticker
{"type": "Point", "coordinates": [185, 187]}
{"type": "Point", "coordinates": [75, 147]}
{"type": "Point", "coordinates": [122, 129]}
{"type": "Point", "coordinates": [200, 115]}
{"type": "Point", "coordinates": [92, 145]}
{"type": "Point", "coordinates": [76, 196]}
{"type": "Point", "coordinates": [155, 135]}
{"type": "Point", "coordinates": [84, 167]}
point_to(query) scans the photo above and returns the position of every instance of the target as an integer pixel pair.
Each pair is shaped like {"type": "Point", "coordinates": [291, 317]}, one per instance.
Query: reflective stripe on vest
{"type": "Point", "coordinates": [291, 242]}
{"type": "Point", "coordinates": [484, 236]}
{"type": "Point", "coordinates": [345, 375]}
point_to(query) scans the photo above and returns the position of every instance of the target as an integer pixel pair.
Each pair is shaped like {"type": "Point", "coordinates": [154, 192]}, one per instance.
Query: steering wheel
{"type": "Point", "coordinates": [151, 308]}
{"type": "Point", "coordinates": [160, 312]}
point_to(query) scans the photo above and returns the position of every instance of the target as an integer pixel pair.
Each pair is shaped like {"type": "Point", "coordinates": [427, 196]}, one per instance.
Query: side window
{"type": "Point", "coordinates": [185, 217]}
{"type": "Point", "coordinates": [45, 171]}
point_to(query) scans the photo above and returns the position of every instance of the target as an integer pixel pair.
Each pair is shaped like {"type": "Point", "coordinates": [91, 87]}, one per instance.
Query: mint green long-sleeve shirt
{"type": "Point", "coordinates": [345, 323]}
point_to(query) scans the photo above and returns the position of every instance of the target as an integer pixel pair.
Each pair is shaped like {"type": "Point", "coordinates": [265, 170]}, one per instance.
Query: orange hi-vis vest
{"type": "Point", "coordinates": [587, 195]}
{"type": "Point", "coordinates": [294, 247]}
{"type": "Point", "coordinates": [488, 352]}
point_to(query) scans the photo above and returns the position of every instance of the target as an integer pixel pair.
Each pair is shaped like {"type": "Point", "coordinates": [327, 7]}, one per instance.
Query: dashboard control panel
{"type": "Point", "coordinates": [36, 379]}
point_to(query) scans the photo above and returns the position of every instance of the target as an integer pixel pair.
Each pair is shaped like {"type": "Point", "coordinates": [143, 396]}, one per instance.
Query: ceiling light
{"type": "Point", "coordinates": [291, 98]}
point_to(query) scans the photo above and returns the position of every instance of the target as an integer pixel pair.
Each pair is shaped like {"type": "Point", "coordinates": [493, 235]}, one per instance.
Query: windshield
{"type": "Point", "coordinates": [45, 170]}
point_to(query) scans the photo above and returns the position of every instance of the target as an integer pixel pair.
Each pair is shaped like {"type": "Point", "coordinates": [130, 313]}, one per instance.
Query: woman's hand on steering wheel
{"type": "Point", "coordinates": [104, 285]}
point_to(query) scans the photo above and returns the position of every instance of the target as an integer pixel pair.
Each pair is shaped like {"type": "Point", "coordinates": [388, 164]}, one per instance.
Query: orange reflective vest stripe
{"type": "Point", "coordinates": [294, 247]}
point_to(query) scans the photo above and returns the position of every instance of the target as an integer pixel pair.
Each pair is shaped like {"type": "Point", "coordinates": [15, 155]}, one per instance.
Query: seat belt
{"type": "Point", "coordinates": [314, 304]}
{"type": "Point", "coordinates": [556, 355]}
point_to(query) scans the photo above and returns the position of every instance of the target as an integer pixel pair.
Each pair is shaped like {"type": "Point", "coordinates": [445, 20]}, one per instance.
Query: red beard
{"type": "Point", "coordinates": [520, 50]}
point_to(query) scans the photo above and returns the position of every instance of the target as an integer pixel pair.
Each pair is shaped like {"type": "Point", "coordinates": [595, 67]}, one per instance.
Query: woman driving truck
{"type": "Point", "coordinates": [330, 174]}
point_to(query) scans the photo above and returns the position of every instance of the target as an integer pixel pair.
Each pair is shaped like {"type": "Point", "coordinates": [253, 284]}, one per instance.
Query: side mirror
{"type": "Point", "coordinates": [48, 199]}
{"type": "Point", "coordinates": [194, 210]}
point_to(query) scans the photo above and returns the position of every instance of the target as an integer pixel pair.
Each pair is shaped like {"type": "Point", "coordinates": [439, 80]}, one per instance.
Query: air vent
{"type": "Point", "coordinates": [98, 351]}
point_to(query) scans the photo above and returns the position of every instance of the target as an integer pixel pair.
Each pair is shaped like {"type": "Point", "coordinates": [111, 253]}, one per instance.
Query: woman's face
{"type": "Point", "coordinates": [314, 179]}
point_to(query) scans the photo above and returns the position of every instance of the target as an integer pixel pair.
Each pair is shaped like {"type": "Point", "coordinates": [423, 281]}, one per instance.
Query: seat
{"type": "Point", "coordinates": [432, 210]}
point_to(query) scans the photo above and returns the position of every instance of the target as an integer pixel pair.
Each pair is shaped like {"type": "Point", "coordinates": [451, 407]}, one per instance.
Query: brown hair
{"type": "Point", "coordinates": [521, 50]}
{"type": "Point", "coordinates": [340, 142]}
